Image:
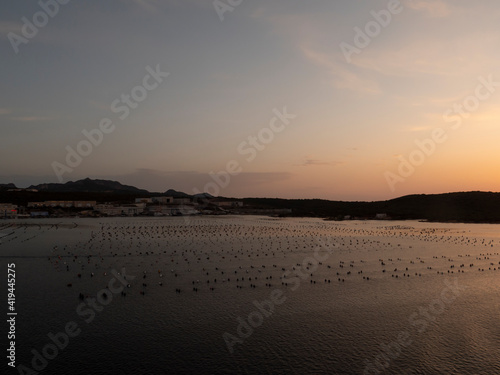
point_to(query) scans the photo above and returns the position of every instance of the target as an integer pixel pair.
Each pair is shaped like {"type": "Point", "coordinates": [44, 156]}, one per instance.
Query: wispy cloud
{"type": "Point", "coordinates": [5, 111]}
{"type": "Point", "coordinates": [304, 33]}
{"type": "Point", "coordinates": [432, 8]}
{"type": "Point", "coordinates": [416, 129]}
{"type": "Point", "coordinates": [431, 57]}
{"type": "Point", "coordinates": [8, 26]}
{"type": "Point", "coordinates": [31, 118]}
{"type": "Point", "coordinates": [343, 77]}
{"type": "Point", "coordinates": [315, 162]}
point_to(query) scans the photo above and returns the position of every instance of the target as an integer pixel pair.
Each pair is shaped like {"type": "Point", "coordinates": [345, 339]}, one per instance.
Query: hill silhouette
{"type": "Point", "coordinates": [460, 207]}
{"type": "Point", "coordinates": [87, 185]}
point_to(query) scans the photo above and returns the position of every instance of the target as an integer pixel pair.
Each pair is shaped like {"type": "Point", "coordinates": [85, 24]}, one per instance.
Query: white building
{"type": "Point", "coordinates": [163, 200]}
{"type": "Point", "coordinates": [8, 210]}
{"type": "Point", "coordinates": [65, 204]}
{"type": "Point", "coordinates": [125, 210]}
{"type": "Point", "coordinates": [36, 204]}
{"type": "Point", "coordinates": [84, 204]}
{"type": "Point", "coordinates": [171, 210]}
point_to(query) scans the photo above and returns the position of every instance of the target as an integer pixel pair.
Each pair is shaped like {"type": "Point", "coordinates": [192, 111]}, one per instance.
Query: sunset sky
{"type": "Point", "coordinates": [355, 121]}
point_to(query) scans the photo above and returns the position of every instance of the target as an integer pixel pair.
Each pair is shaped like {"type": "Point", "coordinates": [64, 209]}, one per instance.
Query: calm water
{"type": "Point", "coordinates": [358, 297]}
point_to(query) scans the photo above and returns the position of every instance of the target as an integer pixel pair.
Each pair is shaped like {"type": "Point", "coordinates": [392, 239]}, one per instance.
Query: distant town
{"type": "Point", "coordinates": [147, 206]}
{"type": "Point", "coordinates": [103, 198]}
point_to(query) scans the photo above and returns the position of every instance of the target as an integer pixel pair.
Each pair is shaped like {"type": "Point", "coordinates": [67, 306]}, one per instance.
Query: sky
{"type": "Point", "coordinates": [330, 99]}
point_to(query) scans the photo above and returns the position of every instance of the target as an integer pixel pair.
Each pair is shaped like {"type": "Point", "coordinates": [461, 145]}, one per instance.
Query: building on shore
{"type": "Point", "coordinates": [8, 210]}
{"type": "Point", "coordinates": [264, 211]}
{"type": "Point", "coordinates": [123, 210]}
{"type": "Point", "coordinates": [171, 210]}
{"type": "Point", "coordinates": [24, 190]}
{"type": "Point", "coordinates": [163, 200]}
{"type": "Point", "coordinates": [84, 204]}
{"type": "Point", "coordinates": [63, 204]}
{"type": "Point", "coordinates": [228, 204]}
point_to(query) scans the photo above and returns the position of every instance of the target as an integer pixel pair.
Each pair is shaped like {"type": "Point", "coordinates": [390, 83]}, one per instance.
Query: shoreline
{"type": "Point", "coordinates": [451, 221]}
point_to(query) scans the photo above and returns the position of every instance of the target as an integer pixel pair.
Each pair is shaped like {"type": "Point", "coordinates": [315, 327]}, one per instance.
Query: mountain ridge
{"type": "Point", "coordinates": [88, 185]}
